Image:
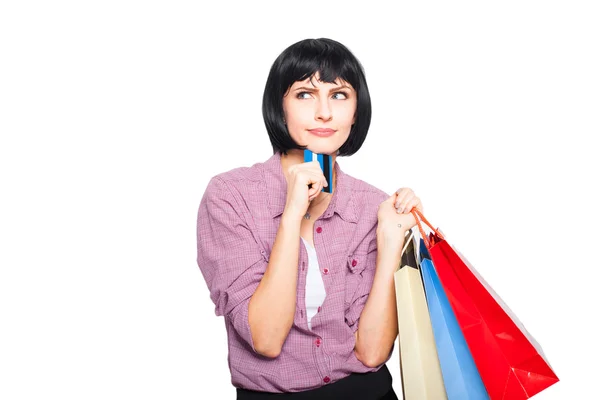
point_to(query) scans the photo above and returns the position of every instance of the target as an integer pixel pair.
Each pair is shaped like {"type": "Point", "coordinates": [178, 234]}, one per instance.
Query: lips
{"type": "Point", "coordinates": [322, 132]}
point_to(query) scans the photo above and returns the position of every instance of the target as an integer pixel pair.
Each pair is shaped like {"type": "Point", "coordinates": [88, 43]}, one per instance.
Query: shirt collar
{"type": "Point", "coordinates": [341, 203]}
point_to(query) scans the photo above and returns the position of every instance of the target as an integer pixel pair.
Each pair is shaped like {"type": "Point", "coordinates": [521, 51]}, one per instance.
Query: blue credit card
{"type": "Point", "coordinates": [326, 163]}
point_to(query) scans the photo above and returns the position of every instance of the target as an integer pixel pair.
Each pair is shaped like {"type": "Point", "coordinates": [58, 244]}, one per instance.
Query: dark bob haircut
{"type": "Point", "coordinates": [300, 61]}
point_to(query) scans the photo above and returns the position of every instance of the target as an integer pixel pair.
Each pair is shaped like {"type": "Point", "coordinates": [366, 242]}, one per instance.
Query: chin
{"type": "Point", "coordinates": [321, 150]}
{"type": "Point", "coordinates": [324, 148]}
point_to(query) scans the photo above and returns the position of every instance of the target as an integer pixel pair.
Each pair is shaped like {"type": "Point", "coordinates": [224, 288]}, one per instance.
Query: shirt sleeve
{"type": "Point", "coordinates": [230, 259]}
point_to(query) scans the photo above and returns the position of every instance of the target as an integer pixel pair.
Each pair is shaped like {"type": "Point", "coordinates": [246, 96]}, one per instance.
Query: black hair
{"type": "Point", "coordinates": [300, 61]}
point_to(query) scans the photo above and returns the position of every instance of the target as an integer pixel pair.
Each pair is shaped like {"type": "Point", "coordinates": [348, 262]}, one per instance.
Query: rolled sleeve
{"type": "Point", "coordinates": [230, 259]}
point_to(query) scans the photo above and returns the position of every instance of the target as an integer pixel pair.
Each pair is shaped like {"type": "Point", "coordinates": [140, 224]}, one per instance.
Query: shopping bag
{"type": "Point", "coordinates": [509, 364]}
{"type": "Point", "coordinates": [461, 378]}
{"type": "Point", "coordinates": [419, 365]}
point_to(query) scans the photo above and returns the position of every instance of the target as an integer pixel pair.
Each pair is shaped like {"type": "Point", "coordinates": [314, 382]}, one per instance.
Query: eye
{"type": "Point", "coordinates": [301, 94]}
{"type": "Point", "coordinates": [343, 94]}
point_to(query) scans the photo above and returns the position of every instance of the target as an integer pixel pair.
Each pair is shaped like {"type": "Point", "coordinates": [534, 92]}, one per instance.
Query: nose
{"type": "Point", "coordinates": [323, 111]}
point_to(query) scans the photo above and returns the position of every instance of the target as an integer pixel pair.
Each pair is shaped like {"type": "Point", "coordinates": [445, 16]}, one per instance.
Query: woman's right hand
{"type": "Point", "coordinates": [299, 195]}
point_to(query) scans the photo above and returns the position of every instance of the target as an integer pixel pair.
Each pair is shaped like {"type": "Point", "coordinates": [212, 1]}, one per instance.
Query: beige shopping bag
{"type": "Point", "coordinates": [419, 365]}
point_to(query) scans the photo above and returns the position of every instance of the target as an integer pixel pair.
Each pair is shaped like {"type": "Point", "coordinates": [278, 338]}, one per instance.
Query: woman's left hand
{"type": "Point", "coordinates": [394, 214]}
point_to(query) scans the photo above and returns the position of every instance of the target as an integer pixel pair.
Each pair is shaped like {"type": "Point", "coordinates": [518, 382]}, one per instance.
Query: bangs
{"type": "Point", "coordinates": [311, 58]}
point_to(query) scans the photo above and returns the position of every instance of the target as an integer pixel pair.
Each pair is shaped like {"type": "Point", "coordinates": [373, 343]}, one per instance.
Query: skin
{"type": "Point", "coordinates": [307, 105]}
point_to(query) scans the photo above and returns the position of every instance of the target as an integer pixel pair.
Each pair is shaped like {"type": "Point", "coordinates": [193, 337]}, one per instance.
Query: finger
{"type": "Point", "coordinates": [314, 192]}
{"type": "Point", "coordinates": [314, 196]}
{"type": "Point", "coordinates": [419, 205]}
{"type": "Point", "coordinates": [403, 191]}
{"type": "Point", "coordinates": [323, 181]}
{"type": "Point", "coordinates": [412, 203]}
{"type": "Point", "coordinates": [313, 177]}
{"type": "Point", "coordinates": [318, 175]}
{"type": "Point", "coordinates": [402, 195]}
{"type": "Point", "coordinates": [405, 202]}
{"type": "Point", "coordinates": [314, 166]}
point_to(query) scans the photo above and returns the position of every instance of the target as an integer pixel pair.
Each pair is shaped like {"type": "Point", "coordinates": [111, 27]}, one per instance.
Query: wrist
{"type": "Point", "coordinates": [391, 237]}
{"type": "Point", "coordinates": [290, 218]}
{"type": "Point", "coordinates": [389, 254]}
{"type": "Point", "coordinates": [391, 232]}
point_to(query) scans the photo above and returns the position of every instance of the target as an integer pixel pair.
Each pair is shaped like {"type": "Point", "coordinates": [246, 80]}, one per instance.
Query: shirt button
{"type": "Point", "coordinates": [318, 342]}
{"type": "Point", "coordinates": [319, 309]}
{"type": "Point", "coordinates": [319, 229]}
{"type": "Point", "coordinates": [354, 262]}
{"type": "Point", "coordinates": [326, 379]}
{"type": "Point", "coordinates": [325, 271]}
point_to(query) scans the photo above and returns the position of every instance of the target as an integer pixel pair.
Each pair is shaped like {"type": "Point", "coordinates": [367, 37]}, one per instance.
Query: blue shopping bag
{"type": "Point", "coordinates": [461, 378]}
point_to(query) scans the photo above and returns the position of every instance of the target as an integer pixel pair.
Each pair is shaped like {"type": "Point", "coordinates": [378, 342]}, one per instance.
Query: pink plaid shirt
{"type": "Point", "coordinates": [238, 219]}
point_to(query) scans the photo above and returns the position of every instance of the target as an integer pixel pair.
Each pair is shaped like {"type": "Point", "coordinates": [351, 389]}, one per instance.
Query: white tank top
{"type": "Point", "coordinates": [315, 289]}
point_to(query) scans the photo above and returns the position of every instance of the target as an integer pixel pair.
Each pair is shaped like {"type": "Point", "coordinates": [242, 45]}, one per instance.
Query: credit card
{"type": "Point", "coordinates": [326, 163]}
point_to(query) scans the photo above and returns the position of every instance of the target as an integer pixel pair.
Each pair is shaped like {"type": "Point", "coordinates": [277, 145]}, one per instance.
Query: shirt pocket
{"type": "Point", "coordinates": [355, 265]}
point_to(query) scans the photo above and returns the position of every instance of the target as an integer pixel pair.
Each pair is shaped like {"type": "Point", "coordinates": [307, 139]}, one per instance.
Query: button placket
{"type": "Point", "coordinates": [302, 278]}
{"type": "Point", "coordinates": [318, 342]}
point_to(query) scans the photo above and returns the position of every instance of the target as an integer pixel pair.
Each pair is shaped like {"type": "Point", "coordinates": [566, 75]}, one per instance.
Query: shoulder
{"type": "Point", "coordinates": [242, 188]}
{"type": "Point", "coordinates": [365, 194]}
{"type": "Point", "coordinates": [244, 174]}
{"type": "Point", "coordinates": [237, 179]}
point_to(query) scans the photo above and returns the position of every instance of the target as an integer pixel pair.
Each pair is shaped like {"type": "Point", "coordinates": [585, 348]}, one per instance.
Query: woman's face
{"type": "Point", "coordinates": [311, 105]}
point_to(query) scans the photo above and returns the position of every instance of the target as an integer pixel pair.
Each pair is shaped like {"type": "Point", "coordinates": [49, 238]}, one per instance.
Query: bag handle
{"type": "Point", "coordinates": [420, 217]}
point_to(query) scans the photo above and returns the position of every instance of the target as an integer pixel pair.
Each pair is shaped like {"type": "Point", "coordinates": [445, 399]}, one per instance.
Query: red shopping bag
{"type": "Point", "coordinates": [507, 359]}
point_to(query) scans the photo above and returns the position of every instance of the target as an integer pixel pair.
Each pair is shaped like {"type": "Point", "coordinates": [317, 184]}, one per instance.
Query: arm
{"type": "Point", "coordinates": [257, 297]}
{"type": "Point", "coordinates": [378, 322]}
{"type": "Point", "coordinates": [273, 305]}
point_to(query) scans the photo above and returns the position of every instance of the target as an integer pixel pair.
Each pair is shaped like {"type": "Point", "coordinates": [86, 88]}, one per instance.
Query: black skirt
{"type": "Point", "coordinates": [369, 386]}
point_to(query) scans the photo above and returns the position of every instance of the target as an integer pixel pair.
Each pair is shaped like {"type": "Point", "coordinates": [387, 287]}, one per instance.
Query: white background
{"type": "Point", "coordinates": [114, 115]}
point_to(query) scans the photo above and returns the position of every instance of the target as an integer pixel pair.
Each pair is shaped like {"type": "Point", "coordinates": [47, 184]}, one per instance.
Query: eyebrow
{"type": "Point", "coordinates": [316, 90]}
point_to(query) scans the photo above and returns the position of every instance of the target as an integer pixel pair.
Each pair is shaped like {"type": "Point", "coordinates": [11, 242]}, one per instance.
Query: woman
{"type": "Point", "coordinates": [303, 277]}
